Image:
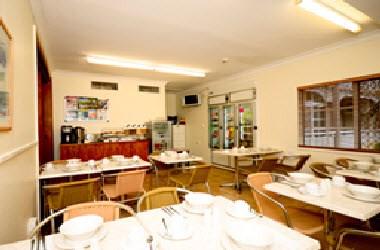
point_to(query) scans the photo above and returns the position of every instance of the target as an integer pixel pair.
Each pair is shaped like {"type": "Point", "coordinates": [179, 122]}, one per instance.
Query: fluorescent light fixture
{"type": "Point", "coordinates": [329, 14]}
{"type": "Point", "coordinates": [103, 60]}
{"type": "Point", "coordinates": [181, 71]}
{"type": "Point", "coordinates": [348, 10]}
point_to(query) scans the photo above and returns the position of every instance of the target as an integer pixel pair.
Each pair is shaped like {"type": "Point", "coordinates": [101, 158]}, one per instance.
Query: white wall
{"type": "Point", "coordinates": [171, 104]}
{"type": "Point", "coordinates": [276, 87]}
{"type": "Point", "coordinates": [126, 106]}
{"type": "Point", "coordinates": [18, 174]}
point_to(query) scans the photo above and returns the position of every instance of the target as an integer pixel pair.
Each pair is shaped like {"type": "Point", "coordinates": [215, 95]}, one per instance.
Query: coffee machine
{"type": "Point", "coordinates": [67, 134]}
{"type": "Point", "coordinates": [79, 134]}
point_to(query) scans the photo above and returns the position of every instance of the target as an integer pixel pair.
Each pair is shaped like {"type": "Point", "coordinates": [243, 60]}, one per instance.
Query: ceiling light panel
{"type": "Point", "coordinates": [102, 60]}
{"type": "Point", "coordinates": [329, 14]}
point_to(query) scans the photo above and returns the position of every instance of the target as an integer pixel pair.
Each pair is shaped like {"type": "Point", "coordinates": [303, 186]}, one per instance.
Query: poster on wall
{"type": "Point", "coordinates": [83, 108]}
{"type": "Point", "coordinates": [5, 78]}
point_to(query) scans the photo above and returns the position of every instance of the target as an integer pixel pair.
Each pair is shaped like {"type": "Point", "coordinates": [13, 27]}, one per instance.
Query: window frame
{"type": "Point", "coordinates": [356, 91]}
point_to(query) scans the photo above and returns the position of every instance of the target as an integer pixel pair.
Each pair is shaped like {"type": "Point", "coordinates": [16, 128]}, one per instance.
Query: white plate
{"type": "Point", "coordinates": [186, 235]}
{"type": "Point", "coordinates": [192, 210]}
{"type": "Point", "coordinates": [63, 243]}
{"type": "Point", "coordinates": [361, 198]}
{"type": "Point", "coordinates": [246, 216]}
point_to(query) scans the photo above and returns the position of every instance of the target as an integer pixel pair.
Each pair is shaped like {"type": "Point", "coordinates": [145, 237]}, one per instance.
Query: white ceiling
{"type": "Point", "coordinates": [186, 33]}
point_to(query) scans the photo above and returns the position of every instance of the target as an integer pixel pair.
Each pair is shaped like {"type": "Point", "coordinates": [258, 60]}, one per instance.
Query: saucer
{"type": "Point", "coordinates": [184, 236]}
{"type": "Point", "coordinates": [349, 195]}
{"type": "Point", "coordinates": [245, 216]}
{"type": "Point", "coordinates": [64, 243]}
{"type": "Point", "coordinates": [191, 209]}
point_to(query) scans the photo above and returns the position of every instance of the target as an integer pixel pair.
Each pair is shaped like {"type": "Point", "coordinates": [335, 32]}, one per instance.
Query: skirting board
{"type": "Point", "coordinates": [13, 153]}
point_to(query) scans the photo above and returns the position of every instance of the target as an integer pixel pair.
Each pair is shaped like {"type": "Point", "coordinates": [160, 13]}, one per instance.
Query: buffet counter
{"type": "Point", "coordinates": [99, 150]}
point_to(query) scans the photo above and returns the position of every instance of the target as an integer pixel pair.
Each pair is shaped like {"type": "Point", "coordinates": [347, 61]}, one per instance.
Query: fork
{"type": "Point", "coordinates": [167, 211]}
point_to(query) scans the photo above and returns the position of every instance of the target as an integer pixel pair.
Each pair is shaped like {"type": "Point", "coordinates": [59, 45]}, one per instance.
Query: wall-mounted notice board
{"type": "Point", "coordinates": [84, 108]}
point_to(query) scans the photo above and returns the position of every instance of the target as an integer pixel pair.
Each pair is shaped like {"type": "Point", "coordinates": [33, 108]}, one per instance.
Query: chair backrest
{"type": "Point", "coordinates": [200, 174]}
{"type": "Point", "coordinates": [268, 163]}
{"type": "Point", "coordinates": [130, 182]}
{"type": "Point", "coordinates": [264, 205]}
{"type": "Point", "coordinates": [107, 209]}
{"type": "Point", "coordinates": [321, 169]}
{"type": "Point", "coordinates": [101, 208]}
{"type": "Point", "coordinates": [65, 194]}
{"type": "Point", "coordinates": [159, 197]}
{"type": "Point", "coordinates": [344, 162]}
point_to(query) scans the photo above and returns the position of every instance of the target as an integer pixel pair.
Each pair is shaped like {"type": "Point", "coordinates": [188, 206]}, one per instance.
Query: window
{"type": "Point", "coordinates": [342, 115]}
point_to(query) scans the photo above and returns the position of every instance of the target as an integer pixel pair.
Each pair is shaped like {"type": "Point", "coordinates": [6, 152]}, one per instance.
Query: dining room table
{"type": "Point", "coordinates": [208, 230]}
{"type": "Point", "coordinates": [62, 172]}
{"type": "Point", "coordinates": [360, 174]}
{"type": "Point", "coordinates": [336, 200]}
{"type": "Point", "coordinates": [237, 153]}
{"type": "Point", "coordinates": [167, 160]}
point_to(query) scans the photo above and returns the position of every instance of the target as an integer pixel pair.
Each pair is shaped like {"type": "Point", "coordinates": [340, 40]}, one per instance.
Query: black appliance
{"type": "Point", "coordinates": [67, 134]}
{"type": "Point", "coordinates": [79, 134]}
{"type": "Point", "coordinates": [173, 119]}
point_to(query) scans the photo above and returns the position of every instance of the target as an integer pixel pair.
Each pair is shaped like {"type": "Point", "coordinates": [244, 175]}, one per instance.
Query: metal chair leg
{"type": "Point", "coordinates": [52, 222]}
{"type": "Point", "coordinates": [208, 187]}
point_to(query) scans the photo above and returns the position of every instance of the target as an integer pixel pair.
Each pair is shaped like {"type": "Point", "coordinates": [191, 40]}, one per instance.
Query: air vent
{"type": "Point", "coordinates": [104, 85]}
{"type": "Point", "coordinates": [150, 89]}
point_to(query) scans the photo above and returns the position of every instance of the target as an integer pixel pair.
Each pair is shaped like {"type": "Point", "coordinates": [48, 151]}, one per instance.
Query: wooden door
{"type": "Point", "coordinates": [45, 114]}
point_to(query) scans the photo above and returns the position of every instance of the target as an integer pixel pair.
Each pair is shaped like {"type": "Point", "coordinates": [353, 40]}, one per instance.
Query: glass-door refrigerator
{"type": "Point", "coordinates": [231, 125]}
{"type": "Point", "coordinates": [160, 135]}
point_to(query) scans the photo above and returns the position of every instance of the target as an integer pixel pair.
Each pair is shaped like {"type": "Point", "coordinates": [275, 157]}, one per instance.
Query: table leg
{"type": "Point", "coordinates": [328, 220]}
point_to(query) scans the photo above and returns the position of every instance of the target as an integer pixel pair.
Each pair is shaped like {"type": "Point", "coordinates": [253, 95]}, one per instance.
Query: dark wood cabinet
{"type": "Point", "coordinates": [97, 151]}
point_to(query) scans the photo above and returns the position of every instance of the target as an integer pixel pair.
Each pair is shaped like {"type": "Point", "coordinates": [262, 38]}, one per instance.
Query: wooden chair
{"type": "Point", "coordinates": [190, 176]}
{"type": "Point", "coordinates": [302, 220]}
{"type": "Point", "coordinates": [344, 162]}
{"type": "Point", "coordinates": [65, 194]}
{"type": "Point", "coordinates": [323, 170]}
{"type": "Point", "coordinates": [108, 210]}
{"type": "Point", "coordinates": [292, 163]}
{"type": "Point", "coordinates": [264, 164]}
{"type": "Point", "coordinates": [126, 183]}
{"type": "Point", "coordinates": [351, 238]}
{"type": "Point", "coordinates": [159, 197]}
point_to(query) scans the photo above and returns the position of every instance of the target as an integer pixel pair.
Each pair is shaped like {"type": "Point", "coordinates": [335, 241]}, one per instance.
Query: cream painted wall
{"type": "Point", "coordinates": [18, 175]}
{"type": "Point", "coordinates": [171, 104]}
{"type": "Point", "coordinates": [276, 87]}
{"type": "Point", "coordinates": [126, 106]}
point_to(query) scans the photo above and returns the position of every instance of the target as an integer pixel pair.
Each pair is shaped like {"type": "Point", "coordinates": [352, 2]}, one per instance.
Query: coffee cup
{"type": "Point", "coordinates": [241, 207]}
{"type": "Point", "coordinates": [312, 188]}
{"type": "Point", "coordinates": [135, 158]}
{"type": "Point", "coordinates": [338, 181]}
{"type": "Point", "coordinates": [91, 163]}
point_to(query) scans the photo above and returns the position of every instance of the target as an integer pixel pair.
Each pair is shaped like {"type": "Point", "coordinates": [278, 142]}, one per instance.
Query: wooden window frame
{"type": "Point", "coordinates": [356, 116]}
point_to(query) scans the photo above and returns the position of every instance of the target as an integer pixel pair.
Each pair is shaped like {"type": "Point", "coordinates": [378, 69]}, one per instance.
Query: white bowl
{"type": "Point", "coordinates": [301, 178]}
{"type": "Point", "coordinates": [363, 165]}
{"type": "Point", "coordinates": [361, 191]}
{"type": "Point", "coordinates": [81, 228]}
{"type": "Point", "coordinates": [250, 236]}
{"type": "Point", "coordinates": [199, 200]}
{"type": "Point", "coordinates": [73, 161]}
{"type": "Point", "coordinates": [117, 157]}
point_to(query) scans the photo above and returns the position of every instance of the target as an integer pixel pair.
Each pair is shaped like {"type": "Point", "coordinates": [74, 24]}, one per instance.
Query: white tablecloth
{"type": "Point", "coordinates": [208, 232]}
{"type": "Point", "coordinates": [334, 201]}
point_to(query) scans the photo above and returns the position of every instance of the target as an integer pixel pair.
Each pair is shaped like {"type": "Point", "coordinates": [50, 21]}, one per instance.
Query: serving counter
{"type": "Point", "coordinates": [99, 150]}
